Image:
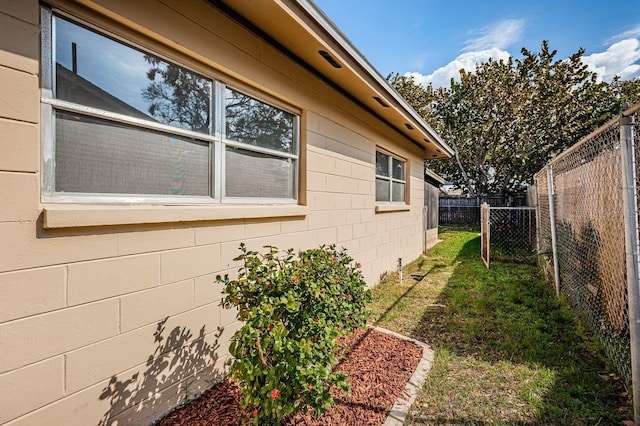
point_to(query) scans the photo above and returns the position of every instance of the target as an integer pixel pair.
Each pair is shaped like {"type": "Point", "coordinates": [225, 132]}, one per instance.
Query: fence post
{"type": "Point", "coordinates": [631, 248]}
{"type": "Point", "coordinates": [488, 225]}
{"type": "Point", "coordinates": [485, 229]}
{"type": "Point", "coordinates": [554, 235]}
{"type": "Point", "coordinates": [425, 227]}
{"type": "Point", "coordinates": [537, 212]}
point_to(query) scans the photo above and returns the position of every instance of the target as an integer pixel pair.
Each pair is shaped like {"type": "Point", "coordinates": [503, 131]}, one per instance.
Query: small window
{"type": "Point", "coordinates": [391, 182]}
{"type": "Point", "coordinates": [120, 124]}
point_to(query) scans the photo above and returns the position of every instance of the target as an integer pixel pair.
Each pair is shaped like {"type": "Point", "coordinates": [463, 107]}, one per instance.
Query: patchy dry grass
{"type": "Point", "coordinates": [508, 352]}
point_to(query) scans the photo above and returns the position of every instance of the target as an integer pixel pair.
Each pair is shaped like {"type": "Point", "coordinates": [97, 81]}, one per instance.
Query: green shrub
{"type": "Point", "coordinates": [293, 308]}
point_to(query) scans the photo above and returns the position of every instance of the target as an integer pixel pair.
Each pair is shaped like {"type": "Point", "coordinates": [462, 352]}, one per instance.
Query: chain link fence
{"type": "Point", "coordinates": [581, 235]}
{"type": "Point", "coordinates": [508, 234]}
{"type": "Point", "coordinates": [513, 233]}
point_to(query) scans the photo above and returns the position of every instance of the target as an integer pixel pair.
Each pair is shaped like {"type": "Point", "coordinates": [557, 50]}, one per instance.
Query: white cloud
{"type": "Point", "coordinates": [619, 59]}
{"type": "Point", "coordinates": [443, 75]}
{"type": "Point", "coordinates": [632, 33]}
{"type": "Point", "coordinates": [622, 57]}
{"type": "Point", "coordinates": [487, 43]}
{"type": "Point", "coordinates": [419, 61]}
{"type": "Point", "coordinates": [499, 35]}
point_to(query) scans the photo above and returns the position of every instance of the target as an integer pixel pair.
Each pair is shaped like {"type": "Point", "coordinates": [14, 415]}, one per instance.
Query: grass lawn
{"type": "Point", "coordinates": [507, 351]}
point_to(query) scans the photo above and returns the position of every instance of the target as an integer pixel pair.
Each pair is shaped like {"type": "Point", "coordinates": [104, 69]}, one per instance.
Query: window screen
{"type": "Point", "coordinates": [260, 155]}
{"type": "Point", "coordinates": [98, 156]}
{"type": "Point", "coordinates": [254, 174]}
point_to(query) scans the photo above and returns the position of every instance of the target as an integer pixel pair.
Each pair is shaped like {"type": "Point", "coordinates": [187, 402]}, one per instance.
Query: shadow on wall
{"type": "Point", "coordinates": [174, 373]}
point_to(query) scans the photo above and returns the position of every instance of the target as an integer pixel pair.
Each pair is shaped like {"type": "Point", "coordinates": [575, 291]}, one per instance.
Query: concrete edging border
{"type": "Point", "coordinates": [400, 409]}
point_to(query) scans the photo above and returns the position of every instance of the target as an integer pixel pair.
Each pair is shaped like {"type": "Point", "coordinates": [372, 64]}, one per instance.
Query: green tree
{"type": "Point", "coordinates": [506, 119]}
{"type": "Point", "coordinates": [628, 90]}
{"type": "Point", "coordinates": [421, 98]}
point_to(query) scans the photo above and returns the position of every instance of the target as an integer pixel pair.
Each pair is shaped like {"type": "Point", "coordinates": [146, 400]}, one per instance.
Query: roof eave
{"type": "Point", "coordinates": [322, 20]}
{"type": "Point", "coordinates": [433, 175]}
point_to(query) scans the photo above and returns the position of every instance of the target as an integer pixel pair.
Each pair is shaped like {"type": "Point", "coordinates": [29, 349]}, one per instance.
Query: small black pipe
{"type": "Point", "coordinates": [74, 58]}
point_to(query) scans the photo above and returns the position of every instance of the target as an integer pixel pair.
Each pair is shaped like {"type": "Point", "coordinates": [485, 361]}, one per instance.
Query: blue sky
{"type": "Point", "coordinates": [433, 39]}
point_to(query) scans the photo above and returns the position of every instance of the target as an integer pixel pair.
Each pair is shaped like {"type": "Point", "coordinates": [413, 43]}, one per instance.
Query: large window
{"type": "Point", "coordinates": [391, 182]}
{"type": "Point", "coordinates": [120, 123]}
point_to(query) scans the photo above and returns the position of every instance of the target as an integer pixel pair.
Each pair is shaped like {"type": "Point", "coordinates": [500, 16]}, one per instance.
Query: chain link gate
{"type": "Point", "coordinates": [508, 234]}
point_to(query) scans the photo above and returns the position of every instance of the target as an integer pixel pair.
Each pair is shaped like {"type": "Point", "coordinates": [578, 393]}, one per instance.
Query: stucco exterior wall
{"type": "Point", "coordinates": [91, 318]}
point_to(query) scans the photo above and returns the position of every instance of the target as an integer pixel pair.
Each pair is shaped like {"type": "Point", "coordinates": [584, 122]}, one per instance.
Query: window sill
{"type": "Point", "coordinates": [74, 216]}
{"type": "Point", "coordinates": [388, 208]}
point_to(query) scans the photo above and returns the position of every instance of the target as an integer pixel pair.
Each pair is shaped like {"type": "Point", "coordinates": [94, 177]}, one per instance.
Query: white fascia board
{"type": "Point", "coordinates": [343, 42]}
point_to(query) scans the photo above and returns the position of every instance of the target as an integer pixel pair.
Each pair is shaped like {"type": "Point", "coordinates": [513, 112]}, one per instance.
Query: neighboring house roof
{"type": "Point", "coordinates": [300, 29]}
{"type": "Point", "coordinates": [81, 90]}
{"type": "Point", "coordinates": [433, 178]}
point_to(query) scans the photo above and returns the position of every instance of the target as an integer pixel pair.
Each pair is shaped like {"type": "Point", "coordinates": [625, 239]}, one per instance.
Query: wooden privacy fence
{"type": "Point", "coordinates": [463, 210]}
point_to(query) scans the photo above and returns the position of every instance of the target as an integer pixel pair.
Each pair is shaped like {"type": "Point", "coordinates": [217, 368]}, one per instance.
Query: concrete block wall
{"type": "Point", "coordinates": [118, 324]}
{"type": "Point", "coordinates": [341, 191]}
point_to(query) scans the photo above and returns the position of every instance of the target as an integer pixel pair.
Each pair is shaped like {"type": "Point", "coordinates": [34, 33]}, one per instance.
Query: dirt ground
{"type": "Point", "coordinates": [379, 366]}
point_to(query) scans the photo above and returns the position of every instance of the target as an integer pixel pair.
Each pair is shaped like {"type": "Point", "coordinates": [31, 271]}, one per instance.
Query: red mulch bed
{"type": "Point", "coordinates": [378, 364]}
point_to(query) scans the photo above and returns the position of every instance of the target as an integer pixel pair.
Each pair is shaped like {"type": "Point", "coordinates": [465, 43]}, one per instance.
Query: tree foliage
{"type": "Point", "coordinates": [254, 122]}
{"type": "Point", "coordinates": [182, 98]}
{"type": "Point", "coordinates": [177, 96]}
{"type": "Point", "coordinates": [627, 90]}
{"type": "Point", "coordinates": [506, 119]}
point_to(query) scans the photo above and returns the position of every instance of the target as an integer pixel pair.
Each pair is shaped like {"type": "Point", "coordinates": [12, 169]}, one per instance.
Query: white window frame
{"type": "Point", "coordinates": [391, 179]}
{"type": "Point", "coordinates": [216, 138]}
{"type": "Point", "coordinates": [221, 105]}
